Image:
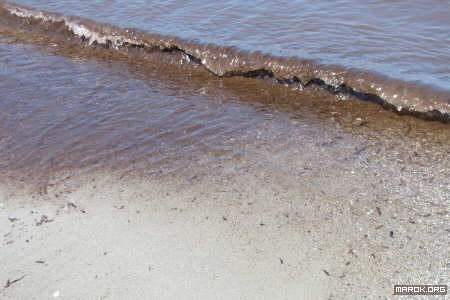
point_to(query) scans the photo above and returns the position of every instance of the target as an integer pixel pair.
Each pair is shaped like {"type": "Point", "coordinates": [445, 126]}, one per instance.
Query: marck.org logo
{"type": "Point", "coordinates": [417, 289]}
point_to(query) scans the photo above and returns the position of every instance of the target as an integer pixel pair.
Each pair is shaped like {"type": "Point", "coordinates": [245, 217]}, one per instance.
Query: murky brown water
{"type": "Point", "coordinates": [426, 97]}
{"type": "Point", "coordinates": [157, 105]}
{"type": "Point", "coordinates": [73, 113]}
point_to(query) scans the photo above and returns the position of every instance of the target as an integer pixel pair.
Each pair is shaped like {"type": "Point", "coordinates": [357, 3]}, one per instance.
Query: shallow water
{"type": "Point", "coordinates": [79, 95]}
{"type": "Point", "coordinates": [366, 81]}
{"type": "Point", "coordinates": [70, 114]}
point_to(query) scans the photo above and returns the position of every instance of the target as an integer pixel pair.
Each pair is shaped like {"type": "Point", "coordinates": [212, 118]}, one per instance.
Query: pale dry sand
{"type": "Point", "coordinates": [303, 228]}
{"type": "Point", "coordinates": [150, 241]}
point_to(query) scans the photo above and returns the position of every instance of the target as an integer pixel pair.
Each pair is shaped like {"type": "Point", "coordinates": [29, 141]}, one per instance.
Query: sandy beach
{"type": "Point", "coordinates": [131, 167]}
{"type": "Point", "coordinates": [297, 227]}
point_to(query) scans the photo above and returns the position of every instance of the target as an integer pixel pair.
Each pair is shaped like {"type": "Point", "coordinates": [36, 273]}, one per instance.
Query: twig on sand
{"type": "Point", "coordinates": [10, 282]}
{"type": "Point", "coordinates": [378, 211]}
{"type": "Point", "coordinates": [44, 219]}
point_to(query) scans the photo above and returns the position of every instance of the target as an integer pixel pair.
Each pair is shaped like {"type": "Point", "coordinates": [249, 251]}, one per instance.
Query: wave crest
{"type": "Point", "coordinates": [401, 96]}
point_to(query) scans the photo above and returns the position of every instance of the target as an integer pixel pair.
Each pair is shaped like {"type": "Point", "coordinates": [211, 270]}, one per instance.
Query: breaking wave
{"type": "Point", "coordinates": [402, 97]}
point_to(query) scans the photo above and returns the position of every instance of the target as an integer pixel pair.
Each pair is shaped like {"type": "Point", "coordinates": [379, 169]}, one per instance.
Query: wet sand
{"type": "Point", "coordinates": [298, 226]}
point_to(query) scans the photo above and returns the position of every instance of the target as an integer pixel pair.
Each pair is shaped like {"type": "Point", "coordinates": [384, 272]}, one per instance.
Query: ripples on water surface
{"type": "Point", "coordinates": [68, 106]}
{"type": "Point", "coordinates": [368, 79]}
{"type": "Point", "coordinates": [77, 113]}
{"type": "Point", "coordinates": [404, 39]}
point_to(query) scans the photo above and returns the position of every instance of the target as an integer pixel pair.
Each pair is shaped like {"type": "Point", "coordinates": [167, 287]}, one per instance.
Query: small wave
{"type": "Point", "coordinates": [401, 96]}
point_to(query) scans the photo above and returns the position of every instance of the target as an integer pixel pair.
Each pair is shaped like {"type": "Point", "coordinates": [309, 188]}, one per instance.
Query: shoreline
{"type": "Point", "coordinates": [256, 233]}
{"type": "Point", "coordinates": [201, 187]}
